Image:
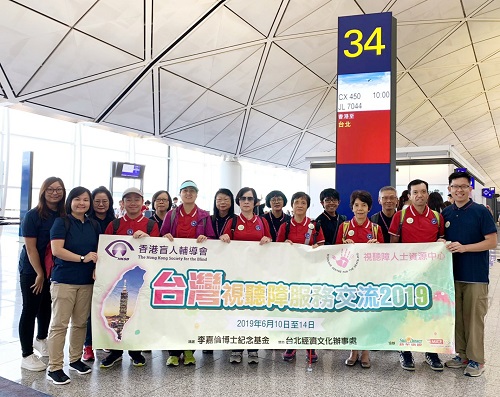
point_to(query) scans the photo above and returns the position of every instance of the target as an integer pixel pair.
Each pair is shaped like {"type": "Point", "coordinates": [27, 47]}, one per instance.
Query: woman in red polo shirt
{"type": "Point", "coordinates": [301, 230]}
{"type": "Point", "coordinates": [359, 230]}
{"type": "Point", "coordinates": [246, 227]}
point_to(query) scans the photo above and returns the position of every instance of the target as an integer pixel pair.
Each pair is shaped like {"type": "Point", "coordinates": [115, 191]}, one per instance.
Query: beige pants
{"type": "Point", "coordinates": [471, 305]}
{"type": "Point", "coordinates": [73, 302]}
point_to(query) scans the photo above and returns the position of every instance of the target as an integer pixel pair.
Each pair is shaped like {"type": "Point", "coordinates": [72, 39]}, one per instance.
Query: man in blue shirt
{"type": "Point", "coordinates": [472, 232]}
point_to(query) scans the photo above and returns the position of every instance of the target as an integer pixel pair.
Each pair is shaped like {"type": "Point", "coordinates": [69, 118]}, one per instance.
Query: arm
{"type": "Point", "coordinates": [394, 239]}
{"type": "Point", "coordinates": [62, 253]}
{"type": "Point", "coordinates": [35, 261]}
{"type": "Point", "coordinates": [267, 233]}
{"type": "Point", "coordinates": [489, 243]}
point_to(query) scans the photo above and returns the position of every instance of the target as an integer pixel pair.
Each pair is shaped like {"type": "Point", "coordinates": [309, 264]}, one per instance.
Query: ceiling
{"type": "Point", "coordinates": [252, 79]}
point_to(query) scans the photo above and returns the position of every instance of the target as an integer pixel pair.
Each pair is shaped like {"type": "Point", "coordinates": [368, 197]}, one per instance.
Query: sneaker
{"type": "Point", "coordinates": [173, 361]}
{"type": "Point", "coordinates": [456, 362]}
{"type": "Point", "coordinates": [111, 359]}
{"type": "Point", "coordinates": [40, 345]}
{"type": "Point", "coordinates": [235, 357]}
{"type": "Point", "coordinates": [138, 360]}
{"type": "Point", "coordinates": [434, 361]}
{"type": "Point", "coordinates": [80, 367]}
{"type": "Point", "coordinates": [189, 358]}
{"type": "Point", "coordinates": [88, 354]}
{"type": "Point", "coordinates": [289, 355]}
{"type": "Point", "coordinates": [58, 377]}
{"type": "Point", "coordinates": [406, 361]}
{"type": "Point", "coordinates": [33, 363]}
{"type": "Point", "coordinates": [312, 357]}
{"type": "Point", "coordinates": [474, 369]}
{"type": "Point", "coordinates": [253, 358]}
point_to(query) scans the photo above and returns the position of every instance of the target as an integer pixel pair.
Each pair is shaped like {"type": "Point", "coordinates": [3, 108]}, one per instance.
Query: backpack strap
{"type": "Point", "coordinates": [287, 228]}
{"type": "Point", "coordinates": [317, 226]}
{"type": "Point", "coordinates": [436, 215]}
{"type": "Point", "coordinates": [172, 217]}
{"type": "Point", "coordinates": [401, 219]}
{"type": "Point", "coordinates": [116, 225]}
{"type": "Point", "coordinates": [150, 226]}
{"type": "Point", "coordinates": [375, 218]}
{"type": "Point", "coordinates": [233, 225]}
{"type": "Point", "coordinates": [375, 228]}
{"type": "Point", "coordinates": [345, 228]}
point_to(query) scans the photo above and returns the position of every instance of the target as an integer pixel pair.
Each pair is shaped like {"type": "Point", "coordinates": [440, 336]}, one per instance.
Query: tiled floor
{"type": "Point", "coordinates": [214, 376]}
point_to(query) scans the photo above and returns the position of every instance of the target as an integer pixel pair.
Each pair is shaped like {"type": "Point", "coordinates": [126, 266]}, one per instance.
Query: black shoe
{"type": "Point", "coordinates": [58, 377]}
{"type": "Point", "coordinates": [138, 360]}
{"type": "Point", "coordinates": [208, 352]}
{"type": "Point", "coordinates": [434, 362]}
{"type": "Point", "coordinates": [406, 361]}
{"type": "Point", "coordinates": [111, 359]}
{"type": "Point", "coordinates": [80, 367]}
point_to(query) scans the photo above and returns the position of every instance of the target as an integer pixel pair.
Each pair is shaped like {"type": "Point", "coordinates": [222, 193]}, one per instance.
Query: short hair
{"type": "Point", "coordinates": [243, 190]}
{"type": "Point", "coordinates": [42, 207]}
{"type": "Point", "coordinates": [435, 201]}
{"type": "Point", "coordinates": [229, 193]}
{"type": "Point", "coordinates": [456, 175]}
{"type": "Point", "coordinates": [417, 182]}
{"type": "Point", "coordinates": [74, 193]}
{"type": "Point", "coordinates": [301, 195]}
{"type": "Point", "coordinates": [386, 188]}
{"type": "Point", "coordinates": [101, 189]}
{"type": "Point", "coordinates": [275, 193]}
{"type": "Point", "coordinates": [363, 196]}
{"type": "Point", "coordinates": [329, 192]}
{"type": "Point", "coordinates": [155, 196]}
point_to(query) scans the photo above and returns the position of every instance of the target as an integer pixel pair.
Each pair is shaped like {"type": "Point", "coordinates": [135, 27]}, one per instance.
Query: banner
{"type": "Point", "coordinates": [153, 294]}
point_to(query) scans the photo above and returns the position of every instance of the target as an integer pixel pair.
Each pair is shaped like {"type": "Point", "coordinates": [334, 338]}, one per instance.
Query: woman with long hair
{"type": "Point", "coordinates": [74, 241]}
{"type": "Point", "coordinates": [435, 202]}
{"type": "Point", "coordinates": [34, 283]}
{"type": "Point", "coordinates": [161, 205]}
{"type": "Point", "coordinates": [246, 227]}
{"type": "Point", "coordinates": [223, 210]}
{"type": "Point", "coordinates": [404, 200]}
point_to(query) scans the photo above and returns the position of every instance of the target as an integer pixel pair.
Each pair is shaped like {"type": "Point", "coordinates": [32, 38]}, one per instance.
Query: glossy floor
{"type": "Point", "coordinates": [213, 375]}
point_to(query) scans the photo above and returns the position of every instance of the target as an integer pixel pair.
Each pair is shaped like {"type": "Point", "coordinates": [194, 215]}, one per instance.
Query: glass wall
{"type": "Point", "coordinates": [81, 154]}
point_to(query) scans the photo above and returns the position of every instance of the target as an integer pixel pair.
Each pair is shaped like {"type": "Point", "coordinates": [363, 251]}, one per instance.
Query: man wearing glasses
{"type": "Point", "coordinates": [472, 232]}
{"type": "Point", "coordinates": [388, 199]}
{"type": "Point", "coordinates": [330, 220]}
{"type": "Point", "coordinates": [276, 200]}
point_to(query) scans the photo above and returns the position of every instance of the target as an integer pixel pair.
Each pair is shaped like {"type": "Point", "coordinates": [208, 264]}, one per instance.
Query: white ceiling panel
{"type": "Point", "coordinates": [255, 79]}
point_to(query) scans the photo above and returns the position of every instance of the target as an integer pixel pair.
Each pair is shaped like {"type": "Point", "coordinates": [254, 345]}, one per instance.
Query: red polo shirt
{"type": "Point", "coordinates": [300, 232]}
{"type": "Point", "coordinates": [359, 233]}
{"type": "Point", "coordinates": [186, 224]}
{"type": "Point", "coordinates": [248, 229]}
{"type": "Point", "coordinates": [417, 228]}
{"type": "Point", "coordinates": [129, 226]}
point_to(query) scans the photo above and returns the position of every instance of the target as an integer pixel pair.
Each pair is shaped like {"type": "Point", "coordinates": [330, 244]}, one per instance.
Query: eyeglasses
{"type": "Point", "coordinates": [162, 200]}
{"type": "Point", "coordinates": [456, 187]}
{"type": "Point", "coordinates": [244, 198]}
{"type": "Point", "coordinates": [99, 202]}
{"type": "Point", "coordinates": [57, 190]}
{"type": "Point", "coordinates": [223, 200]}
{"type": "Point", "coordinates": [390, 198]}
{"type": "Point", "coordinates": [276, 200]}
{"type": "Point", "coordinates": [330, 200]}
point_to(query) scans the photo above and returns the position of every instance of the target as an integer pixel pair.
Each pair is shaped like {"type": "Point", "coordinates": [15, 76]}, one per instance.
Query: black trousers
{"type": "Point", "coordinates": [35, 307]}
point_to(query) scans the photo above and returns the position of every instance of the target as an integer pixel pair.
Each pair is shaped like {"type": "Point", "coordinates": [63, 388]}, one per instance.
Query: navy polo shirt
{"type": "Point", "coordinates": [34, 226]}
{"type": "Point", "coordinates": [468, 225]}
{"type": "Point", "coordinates": [81, 238]}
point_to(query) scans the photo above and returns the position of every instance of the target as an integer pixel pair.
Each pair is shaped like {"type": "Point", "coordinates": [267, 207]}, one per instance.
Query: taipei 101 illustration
{"type": "Point", "coordinates": [120, 304]}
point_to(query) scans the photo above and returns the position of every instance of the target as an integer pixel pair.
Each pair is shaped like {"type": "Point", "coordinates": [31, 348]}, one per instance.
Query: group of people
{"type": "Point", "coordinates": [71, 225]}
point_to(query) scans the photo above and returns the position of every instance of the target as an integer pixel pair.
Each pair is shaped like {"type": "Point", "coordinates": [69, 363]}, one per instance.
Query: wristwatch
{"type": "Point", "coordinates": [82, 258]}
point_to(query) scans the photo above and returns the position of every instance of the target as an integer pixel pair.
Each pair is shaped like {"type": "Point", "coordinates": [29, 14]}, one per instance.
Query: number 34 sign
{"type": "Point", "coordinates": [366, 43]}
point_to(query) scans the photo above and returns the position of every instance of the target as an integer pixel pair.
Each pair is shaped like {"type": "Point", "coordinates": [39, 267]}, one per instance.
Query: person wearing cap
{"type": "Point", "coordinates": [330, 220]}
{"type": "Point", "coordinates": [276, 200]}
{"type": "Point", "coordinates": [134, 224]}
{"type": "Point", "coordinates": [301, 230]}
{"type": "Point", "coordinates": [246, 227]}
{"type": "Point", "coordinates": [186, 221]}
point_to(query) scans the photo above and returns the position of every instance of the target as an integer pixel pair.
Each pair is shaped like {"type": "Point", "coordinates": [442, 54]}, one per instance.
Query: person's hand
{"type": "Point", "coordinates": [169, 236]}
{"type": "Point", "coordinates": [225, 238]}
{"type": "Point", "coordinates": [289, 242]}
{"type": "Point", "coordinates": [456, 247]}
{"type": "Point", "coordinates": [38, 286]}
{"type": "Point", "coordinates": [372, 241]}
{"type": "Point", "coordinates": [140, 234]}
{"type": "Point", "coordinates": [93, 275]}
{"type": "Point", "coordinates": [441, 240]}
{"type": "Point", "coordinates": [315, 245]}
{"type": "Point", "coordinates": [348, 241]}
{"type": "Point", "coordinates": [201, 238]}
{"type": "Point", "coordinates": [90, 257]}
{"type": "Point", "coordinates": [265, 240]}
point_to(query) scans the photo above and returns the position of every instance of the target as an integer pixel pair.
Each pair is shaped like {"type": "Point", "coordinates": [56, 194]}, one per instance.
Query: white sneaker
{"type": "Point", "coordinates": [33, 363]}
{"type": "Point", "coordinates": [40, 345]}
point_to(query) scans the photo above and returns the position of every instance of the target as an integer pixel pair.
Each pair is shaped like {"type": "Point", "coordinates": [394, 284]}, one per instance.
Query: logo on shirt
{"type": "Point", "coordinates": [307, 235]}
{"type": "Point", "coordinates": [447, 224]}
{"type": "Point", "coordinates": [130, 232]}
{"type": "Point", "coordinates": [409, 221]}
{"type": "Point", "coordinates": [257, 227]}
{"type": "Point", "coordinates": [369, 236]}
{"type": "Point", "coordinates": [118, 249]}
{"type": "Point", "coordinates": [194, 223]}
{"type": "Point", "coordinates": [434, 221]}
{"type": "Point", "coordinates": [350, 233]}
